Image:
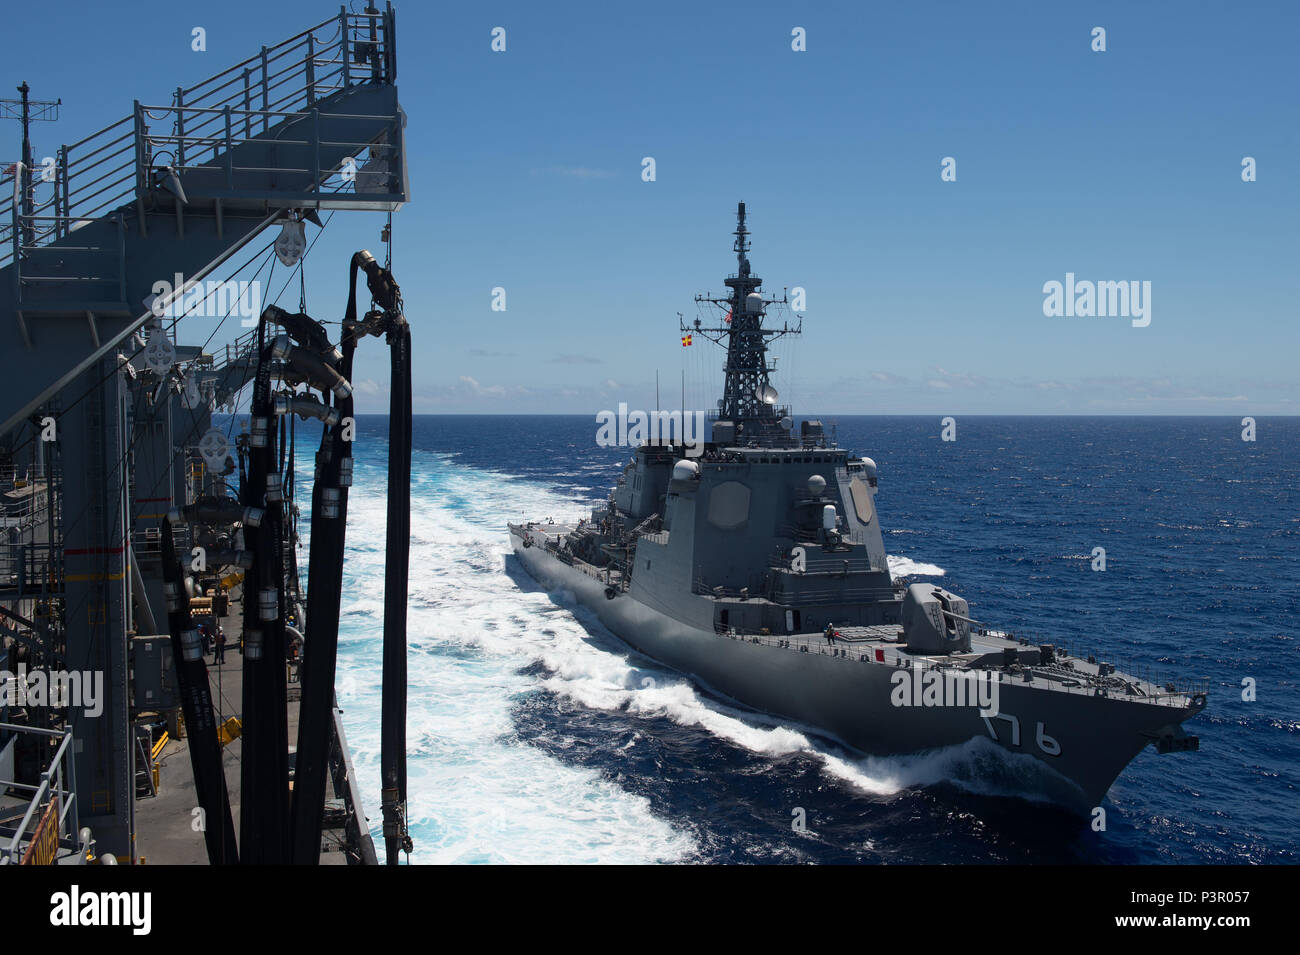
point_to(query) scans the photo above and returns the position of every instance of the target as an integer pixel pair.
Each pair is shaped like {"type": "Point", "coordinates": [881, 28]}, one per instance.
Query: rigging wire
{"type": "Point", "coordinates": [117, 370]}
{"type": "Point", "coordinates": [197, 417]}
{"type": "Point", "coordinates": [123, 536]}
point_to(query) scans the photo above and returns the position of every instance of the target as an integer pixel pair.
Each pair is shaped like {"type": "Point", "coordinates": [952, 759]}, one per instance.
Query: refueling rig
{"type": "Point", "coordinates": [134, 529]}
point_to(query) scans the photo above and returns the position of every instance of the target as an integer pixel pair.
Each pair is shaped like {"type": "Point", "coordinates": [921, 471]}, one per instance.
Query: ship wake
{"type": "Point", "coordinates": [476, 792]}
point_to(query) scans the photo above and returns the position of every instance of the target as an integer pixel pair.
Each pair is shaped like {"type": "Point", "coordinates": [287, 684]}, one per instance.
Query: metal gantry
{"type": "Point", "coordinates": [177, 189]}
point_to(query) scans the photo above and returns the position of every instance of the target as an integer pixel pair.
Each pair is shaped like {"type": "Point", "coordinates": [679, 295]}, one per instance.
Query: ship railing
{"type": "Point", "coordinates": [213, 152]}
{"type": "Point", "coordinates": [815, 643]}
{"type": "Point", "coordinates": [27, 507]}
{"type": "Point", "coordinates": [756, 590]}
{"type": "Point", "coordinates": [712, 415]}
{"type": "Point", "coordinates": [1145, 675]}
{"type": "Point", "coordinates": [827, 565]}
{"type": "Point", "coordinates": [1125, 667]}
{"type": "Point", "coordinates": [94, 264]}
{"type": "Point", "coordinates": [34, 232]}
{"type": "Point", "coordinates": [804, 535]}
{"type": "Point", "coordinates": [26, 568]}
{"type": "Point", "coordinates": [147, 542]}
{"type": "Point", "coordinates": [833, 595]}
{"type": "Point", "coordinates": [51, 822]}
{"type": "Point", "coordinates": [108, 168]}
{"type": "Point", "coordinates": [360, 845]}
{"type": "Point", "coordinates": [761, 589]}
{"type": "Point", "coordinates": [240, 350]}
{"type": "Point", "coordinates": [24, 511]}
{"type": "Point", "coordinates": [801, 643]}
{"type": "Point", "coordinates": [20, 475]}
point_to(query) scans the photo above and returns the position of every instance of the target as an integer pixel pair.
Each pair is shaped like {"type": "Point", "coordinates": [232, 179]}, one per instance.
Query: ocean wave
{"type": "Point", "coordinates": [907, 567]}
{"type": "Point", "coordinates": [476, 792]}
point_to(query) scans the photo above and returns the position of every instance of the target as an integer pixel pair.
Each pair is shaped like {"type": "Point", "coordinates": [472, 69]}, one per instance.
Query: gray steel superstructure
{"type": "Point", "coordinates": [732, 561]}
{"type": "Point", "coordinates": [118, 259]}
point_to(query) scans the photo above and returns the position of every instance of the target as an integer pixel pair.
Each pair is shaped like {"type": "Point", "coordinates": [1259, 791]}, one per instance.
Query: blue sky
{"type": "Point", "coordinates": [923, 296]}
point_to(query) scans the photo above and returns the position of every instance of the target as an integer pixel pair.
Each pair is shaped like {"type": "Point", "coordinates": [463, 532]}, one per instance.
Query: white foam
{"type": "Point", "coordinates": [476, 792]}
{"type": "Point", "coordinates": [906, 567]}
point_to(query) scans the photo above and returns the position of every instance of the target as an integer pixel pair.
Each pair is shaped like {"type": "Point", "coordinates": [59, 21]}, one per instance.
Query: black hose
{"type": "Point", "coordinates": [325, 579]}
{"type": "Point", "coordinates": [264, 814]}
{"type": "Point", "coordinates": [320, 644]}
{"type": "Point", "coordinates": [196, 703]}
{"type": "Point", "coordinates": [304, 330]}
{"type": "Point", "coordinates": [311, 367]}
{"type": "Point", "coordinates": [397, 571]}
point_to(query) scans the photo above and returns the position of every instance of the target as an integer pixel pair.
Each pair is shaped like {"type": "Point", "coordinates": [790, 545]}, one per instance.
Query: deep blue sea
{"type": "Point", "coordinates": [535, 735]}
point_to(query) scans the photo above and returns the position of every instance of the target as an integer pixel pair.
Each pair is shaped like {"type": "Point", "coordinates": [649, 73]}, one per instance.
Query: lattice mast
{"type": "Point", "coordinates": [748, 398]}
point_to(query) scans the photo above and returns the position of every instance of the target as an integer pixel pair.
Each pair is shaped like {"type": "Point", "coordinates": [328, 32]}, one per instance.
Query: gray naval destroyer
{"type": "Point", "coordinates": [729, 565]}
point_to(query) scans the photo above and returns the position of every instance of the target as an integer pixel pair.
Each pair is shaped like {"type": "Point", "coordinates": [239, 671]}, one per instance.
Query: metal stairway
{"type": "Point", "coordinates": [312, 123]}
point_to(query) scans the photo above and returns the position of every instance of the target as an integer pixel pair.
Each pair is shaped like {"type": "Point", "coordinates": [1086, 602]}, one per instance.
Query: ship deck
{"type": "Point", "coordinates": [165, 834]}
{"type": "Point", "coordinates": [990, 649]}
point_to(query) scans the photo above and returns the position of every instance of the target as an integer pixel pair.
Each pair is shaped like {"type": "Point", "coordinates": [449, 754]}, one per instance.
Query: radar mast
{"type": "Point", "coordinates": [748, 399]}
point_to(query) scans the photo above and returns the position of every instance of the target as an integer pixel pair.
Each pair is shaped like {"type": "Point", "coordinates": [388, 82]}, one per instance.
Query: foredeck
{"type": "Point", "coordinates": [990, 649]}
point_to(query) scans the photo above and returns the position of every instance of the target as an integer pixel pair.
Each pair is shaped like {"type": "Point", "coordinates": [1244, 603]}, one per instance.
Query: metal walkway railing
{"type": "Point", "coordinates": [49, 828]}
{"type": "Point", "coordinates": [105, 170]}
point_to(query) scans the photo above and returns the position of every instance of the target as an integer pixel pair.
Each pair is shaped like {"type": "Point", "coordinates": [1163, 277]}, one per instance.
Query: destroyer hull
{"type": "Point", "coordinates": [1068, 747]}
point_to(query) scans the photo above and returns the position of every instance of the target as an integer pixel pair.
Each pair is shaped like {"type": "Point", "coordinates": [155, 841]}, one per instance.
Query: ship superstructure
{"type": "Point", "coordinates": [759, 568]}
{"type": "Point", "coordinates": [134, 528]}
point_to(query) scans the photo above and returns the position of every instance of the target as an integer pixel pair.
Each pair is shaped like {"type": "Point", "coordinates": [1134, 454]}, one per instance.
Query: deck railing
{"type": "Point", "coordinates": [52, 819]}
{"type": "Point", "coordinates": [806, 643]}
{"type": "Point", "coordinates": [106, 169]}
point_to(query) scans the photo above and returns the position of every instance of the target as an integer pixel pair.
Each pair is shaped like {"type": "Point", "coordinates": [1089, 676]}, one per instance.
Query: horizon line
{"type": "Point", "coordinates": [856, 414]}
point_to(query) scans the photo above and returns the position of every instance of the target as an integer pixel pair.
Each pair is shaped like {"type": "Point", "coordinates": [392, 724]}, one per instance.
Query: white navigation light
{"type": "Point", "coordinates": [215, 448]}
{"type": "Point", "coordinates": [292, 242]}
